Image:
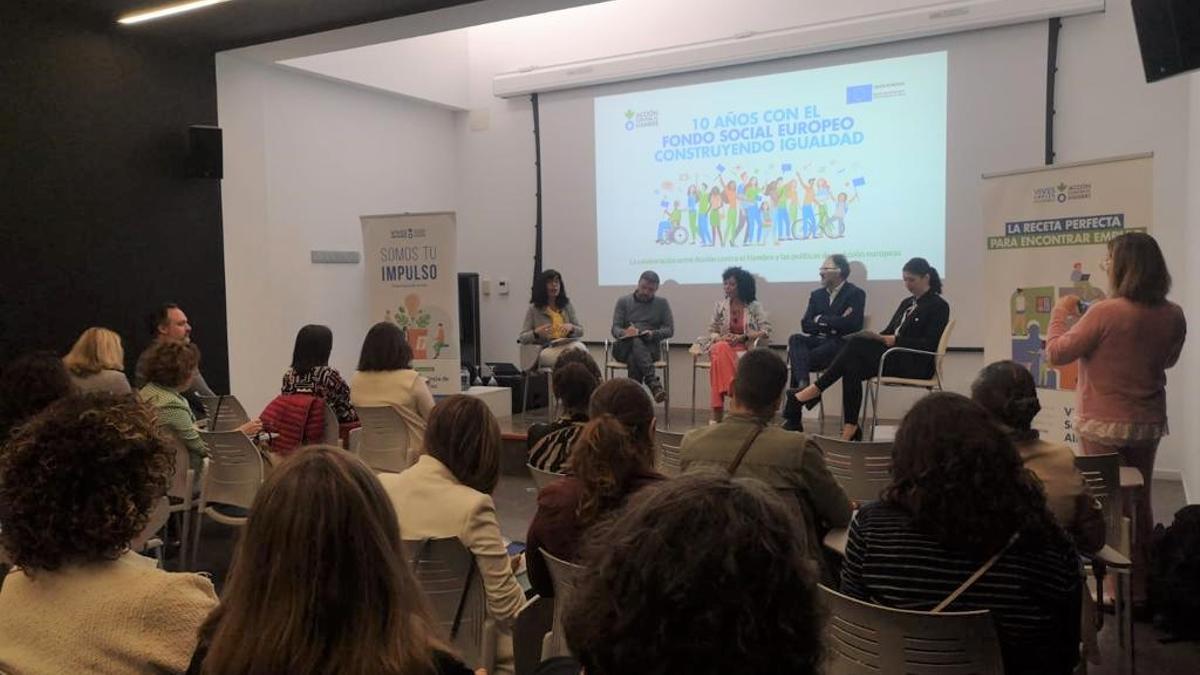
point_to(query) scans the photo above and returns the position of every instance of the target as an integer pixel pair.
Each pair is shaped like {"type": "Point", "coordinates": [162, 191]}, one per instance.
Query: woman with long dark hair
{"type": "Point", "coordinates": [918, 323]}
{"type": "Point", "coordinates": [1124, 346]}
{"type": "Point", "coordinates": [550, 321]}
{"type": "Point", "coordinates": [320, 582]}
{"type": "Point", "coordinates": [613, 457]}
{"type": "Point", "coordinates": [739, 323]}
{"type": "Point", "coordinates": [960, 502]}
{"type": "Point", "coordinates": [310, 372]}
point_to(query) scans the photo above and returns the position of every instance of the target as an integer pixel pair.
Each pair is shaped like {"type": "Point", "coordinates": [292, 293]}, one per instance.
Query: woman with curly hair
{"type": "Point", "coordinates": [702, 574]}
{"type": "Point", "coordinates": [169, 366]}
{"type": "Point", "coordinates": [77, 485]}
{"type": "Point", "coordinates": [613, 457]}
{"type": "Point", "coordinates": [97, 362]}
{"type": "Point", "coordinates": [29, 384]}
{"type": "Point", "coordinates": [739, 322]}
{"type": "Point", "coordinates": [321, 583]}
{"type": "Point", "coordinates": [960, 501]}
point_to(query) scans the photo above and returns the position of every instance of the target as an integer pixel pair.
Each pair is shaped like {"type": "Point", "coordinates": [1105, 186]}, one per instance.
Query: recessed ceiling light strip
{"type": "Point", "coordinates": [150, 15]}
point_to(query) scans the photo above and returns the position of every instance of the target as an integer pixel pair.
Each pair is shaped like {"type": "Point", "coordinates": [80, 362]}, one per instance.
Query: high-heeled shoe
{"type": "Point", "coordinates": [810, 403]}
{"type": "Point", "coordinates": [857, 436]}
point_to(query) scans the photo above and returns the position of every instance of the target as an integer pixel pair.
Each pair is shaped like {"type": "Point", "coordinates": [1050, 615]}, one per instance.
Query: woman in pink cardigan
{"type": "Point", "coordinates": [1124, 346]}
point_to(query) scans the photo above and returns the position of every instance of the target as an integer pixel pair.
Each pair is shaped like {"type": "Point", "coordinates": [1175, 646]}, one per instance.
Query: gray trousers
{"type": "Point", "coordinates": [639, 355]}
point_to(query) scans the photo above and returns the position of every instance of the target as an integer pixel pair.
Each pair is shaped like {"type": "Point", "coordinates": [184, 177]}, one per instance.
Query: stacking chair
{"type": "Point", "coordinates": [930, 384]}
{"type": "Point", "coordinates": [331, 435]}
{"type": "Point", "coordinates": [666, 459]}
{"type": "Point", "coordinates": [565, 577]}
{"type": "Point", "coordinates": [447, 573]}
{"type": "Point", "coordinates": [229, 480]}
{"type": "Point", "coordinates": [611, 364]}
{"type": "Point", "coordinates": [1102, 474]}
{"type": "Point", "coordinates": [869, 639]}
{"type": "Point", "coordinates": [181, 497]}
{"type": "Point", "coordinates": [225, 412]}
{"type": "Point", "coordinates": [863, 469]}
{"type": "Point", "coordinates": [382, 440]}
{"type": "Point", "coordinates": [542, 478]}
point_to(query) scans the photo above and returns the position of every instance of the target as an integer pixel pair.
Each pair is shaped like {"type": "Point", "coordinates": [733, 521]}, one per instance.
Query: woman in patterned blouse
{"type": "Point", "coordinates": [310, 372]}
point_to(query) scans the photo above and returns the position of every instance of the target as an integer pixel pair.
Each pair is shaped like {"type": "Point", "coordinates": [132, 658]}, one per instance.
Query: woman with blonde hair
{"type": "Point", "coordinates": [97, 362]}
{"type": "Point", "coordinates": [320, 583]}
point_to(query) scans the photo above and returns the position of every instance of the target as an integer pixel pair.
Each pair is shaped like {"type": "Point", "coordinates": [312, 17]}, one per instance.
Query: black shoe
{"type": "Point", "coordinates": [810, 404]}
{"type": "Point", "coordinates": [791, 412]}
{"type": "Point", "coordinates": [657, 391]}
{"type": "Point", "coordinates": [857, 434]}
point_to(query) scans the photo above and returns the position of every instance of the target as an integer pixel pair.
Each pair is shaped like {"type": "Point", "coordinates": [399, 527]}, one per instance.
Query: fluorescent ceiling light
{"type": "Point", "coordinates": [151, 14]}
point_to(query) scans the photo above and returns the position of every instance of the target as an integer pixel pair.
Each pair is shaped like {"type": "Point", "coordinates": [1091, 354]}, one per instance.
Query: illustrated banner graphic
{"type": "Point", "coordinates": [412, 281]}
{"type": "Point", "coordinates": [1046, 233]}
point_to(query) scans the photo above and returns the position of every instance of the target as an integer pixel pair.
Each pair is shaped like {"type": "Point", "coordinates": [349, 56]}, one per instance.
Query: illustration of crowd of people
{"type": "Point", "coordinates": [739, 210]}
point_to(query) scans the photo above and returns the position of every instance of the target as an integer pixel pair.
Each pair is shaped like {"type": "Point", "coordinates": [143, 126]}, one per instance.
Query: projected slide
{"type": "Point", "coordinates": [774, 173]}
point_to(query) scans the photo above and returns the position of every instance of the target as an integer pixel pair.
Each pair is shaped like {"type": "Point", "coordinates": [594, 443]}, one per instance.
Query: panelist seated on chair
{"type": "Point", "coordinates": [785, 460]}
{"type": "Point", "coordinates": [739, 323]}
{"type": "Point", "coordinates": [641, 321]}
{"type": "Point", "coordinates": [917, 324]}
{"type": "Point", "coordinates": [961, 502]}
{"type": "Point", "coordinates": [834, 311]}
{"type": "Point", "coordinates": [550, 321]}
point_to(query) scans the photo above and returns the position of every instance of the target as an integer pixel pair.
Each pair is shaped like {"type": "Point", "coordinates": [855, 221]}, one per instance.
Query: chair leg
{"type": "Point", "coordinates": [525, 392]}
{"type": "Point", "coordinates": [1124, 619]}
{"type": "Point", "coordinates": [873, 391]}
{"type": "Point", "coordinates": [184, 548]}
{"type": "Point", "coordinates": [196, 537]}
{"type": "Point", "coordinates": [693, 393]}
{"type": "Point", "coordinates": [667, 391]}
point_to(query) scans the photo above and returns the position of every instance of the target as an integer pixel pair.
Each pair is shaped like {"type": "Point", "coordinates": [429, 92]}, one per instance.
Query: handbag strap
{"type": "Point", "coordinates": [975, 577]}
{"type": "Point", "coordinates": [737, 461]}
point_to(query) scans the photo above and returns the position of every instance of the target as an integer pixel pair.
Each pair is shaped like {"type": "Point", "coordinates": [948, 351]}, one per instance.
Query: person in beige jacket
{"type": "Point", "coordinates": [77, 485]}
{"type": "Point", "coordinates": [785, 460]}
{"type": "Point", "coordinates": [385, 377]}
{"type": "Point", "coordinates": [447, 493]}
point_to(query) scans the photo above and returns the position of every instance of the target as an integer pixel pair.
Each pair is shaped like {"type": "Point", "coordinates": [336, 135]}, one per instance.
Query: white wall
{"type": "Point", "coordinates": [1189, 278]}
{"type": "Point", "coordinates": [304, 158]}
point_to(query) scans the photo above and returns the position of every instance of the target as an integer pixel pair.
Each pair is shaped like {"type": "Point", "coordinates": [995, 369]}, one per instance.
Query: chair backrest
{"type": "Point", "coordinates": [565, 577]}
{"type": "Point", "coordinates": [666, 459]}
{"type": "Point", "coordinates": [225, 412]}
{"type": "Point", "coordinates": [235, 469]}
{"type": "Point", "coordinates": [863, 638]}
{"type": "Point", "coordinates": [447, 573]}
{"type": "Point", "coordinates": [862, 468]}
{"type": "Point", "coordinates": [1102, 474]}
{"type": "Point", "coordinates": [331, 433]}
{"type": "Point", "coordinates": [542, 478]}
{"type": "Point", "coordinates": [384, 438]}
{"type": "Point", "coordinates": [181, 483]}
{"type": "Point", "coordinates": [943, 346]}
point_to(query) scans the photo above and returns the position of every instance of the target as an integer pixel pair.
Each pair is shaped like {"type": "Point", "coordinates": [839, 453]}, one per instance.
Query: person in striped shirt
{"type": "Point", "coordinates": [960, 496]}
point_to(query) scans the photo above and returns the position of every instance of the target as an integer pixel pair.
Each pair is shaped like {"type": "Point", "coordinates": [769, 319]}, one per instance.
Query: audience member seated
{"type": "Point", "coordinates": [169, 367]}
{"type": "Point", "coordinates": [612, 459]}
{"type": "Point", "coordinates": [702, 574]}
{"type": "Point", "coordinates": [77, 484]}
{"type": "Point", "coordinates": [1006, 390]}
{"type": "Point", "coordinates": [550, 444]}
{"type": "Point", "coordinates": [320, 583]}
{"type": "Point", "coordinates": [28, 384]}
{"type": "Point", "coordinates": [739, 322]}
{"type": "Point", "coordinates": [170, 323]}
{"type": "Point", "coordinates": [917, 324]}
{"type": "Point", "coordinates": [550, 321]}
{"type": "Point", "coordinates": [784, 460]}
{"type": "Point", "coordinates": [310, 372]}
{"type": "Point", "coordinates": [385, 376]}
{"type": "Point", "coordinates": [961, 499]}
{"type": "Point", "coordinates": [97, 362]}
{"type": "Point", "coordinates": [447, 493]}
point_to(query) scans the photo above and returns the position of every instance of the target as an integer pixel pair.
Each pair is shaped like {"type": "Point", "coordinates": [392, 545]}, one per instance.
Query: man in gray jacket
{"type": "Point", "coordinates": [642, 320]}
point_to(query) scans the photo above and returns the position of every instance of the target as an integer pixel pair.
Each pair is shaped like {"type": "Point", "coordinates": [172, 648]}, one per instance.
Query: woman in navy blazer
{"type": "Point", "coordinates": [917, 324]}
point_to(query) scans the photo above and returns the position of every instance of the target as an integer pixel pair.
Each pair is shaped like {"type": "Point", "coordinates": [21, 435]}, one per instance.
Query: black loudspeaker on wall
{"type": "Point", "coordinates": [204, 152]}
{"type": "Point", "coordinates": [1169, 35]}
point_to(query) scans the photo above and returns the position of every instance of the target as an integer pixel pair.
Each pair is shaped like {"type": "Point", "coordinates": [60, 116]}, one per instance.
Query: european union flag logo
{"type": "Point", "coordinates": [859, 93]}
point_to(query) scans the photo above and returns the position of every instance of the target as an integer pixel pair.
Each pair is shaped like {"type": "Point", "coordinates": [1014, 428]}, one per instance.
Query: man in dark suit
{"type": "Point", "coordinates": [834, 311]}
